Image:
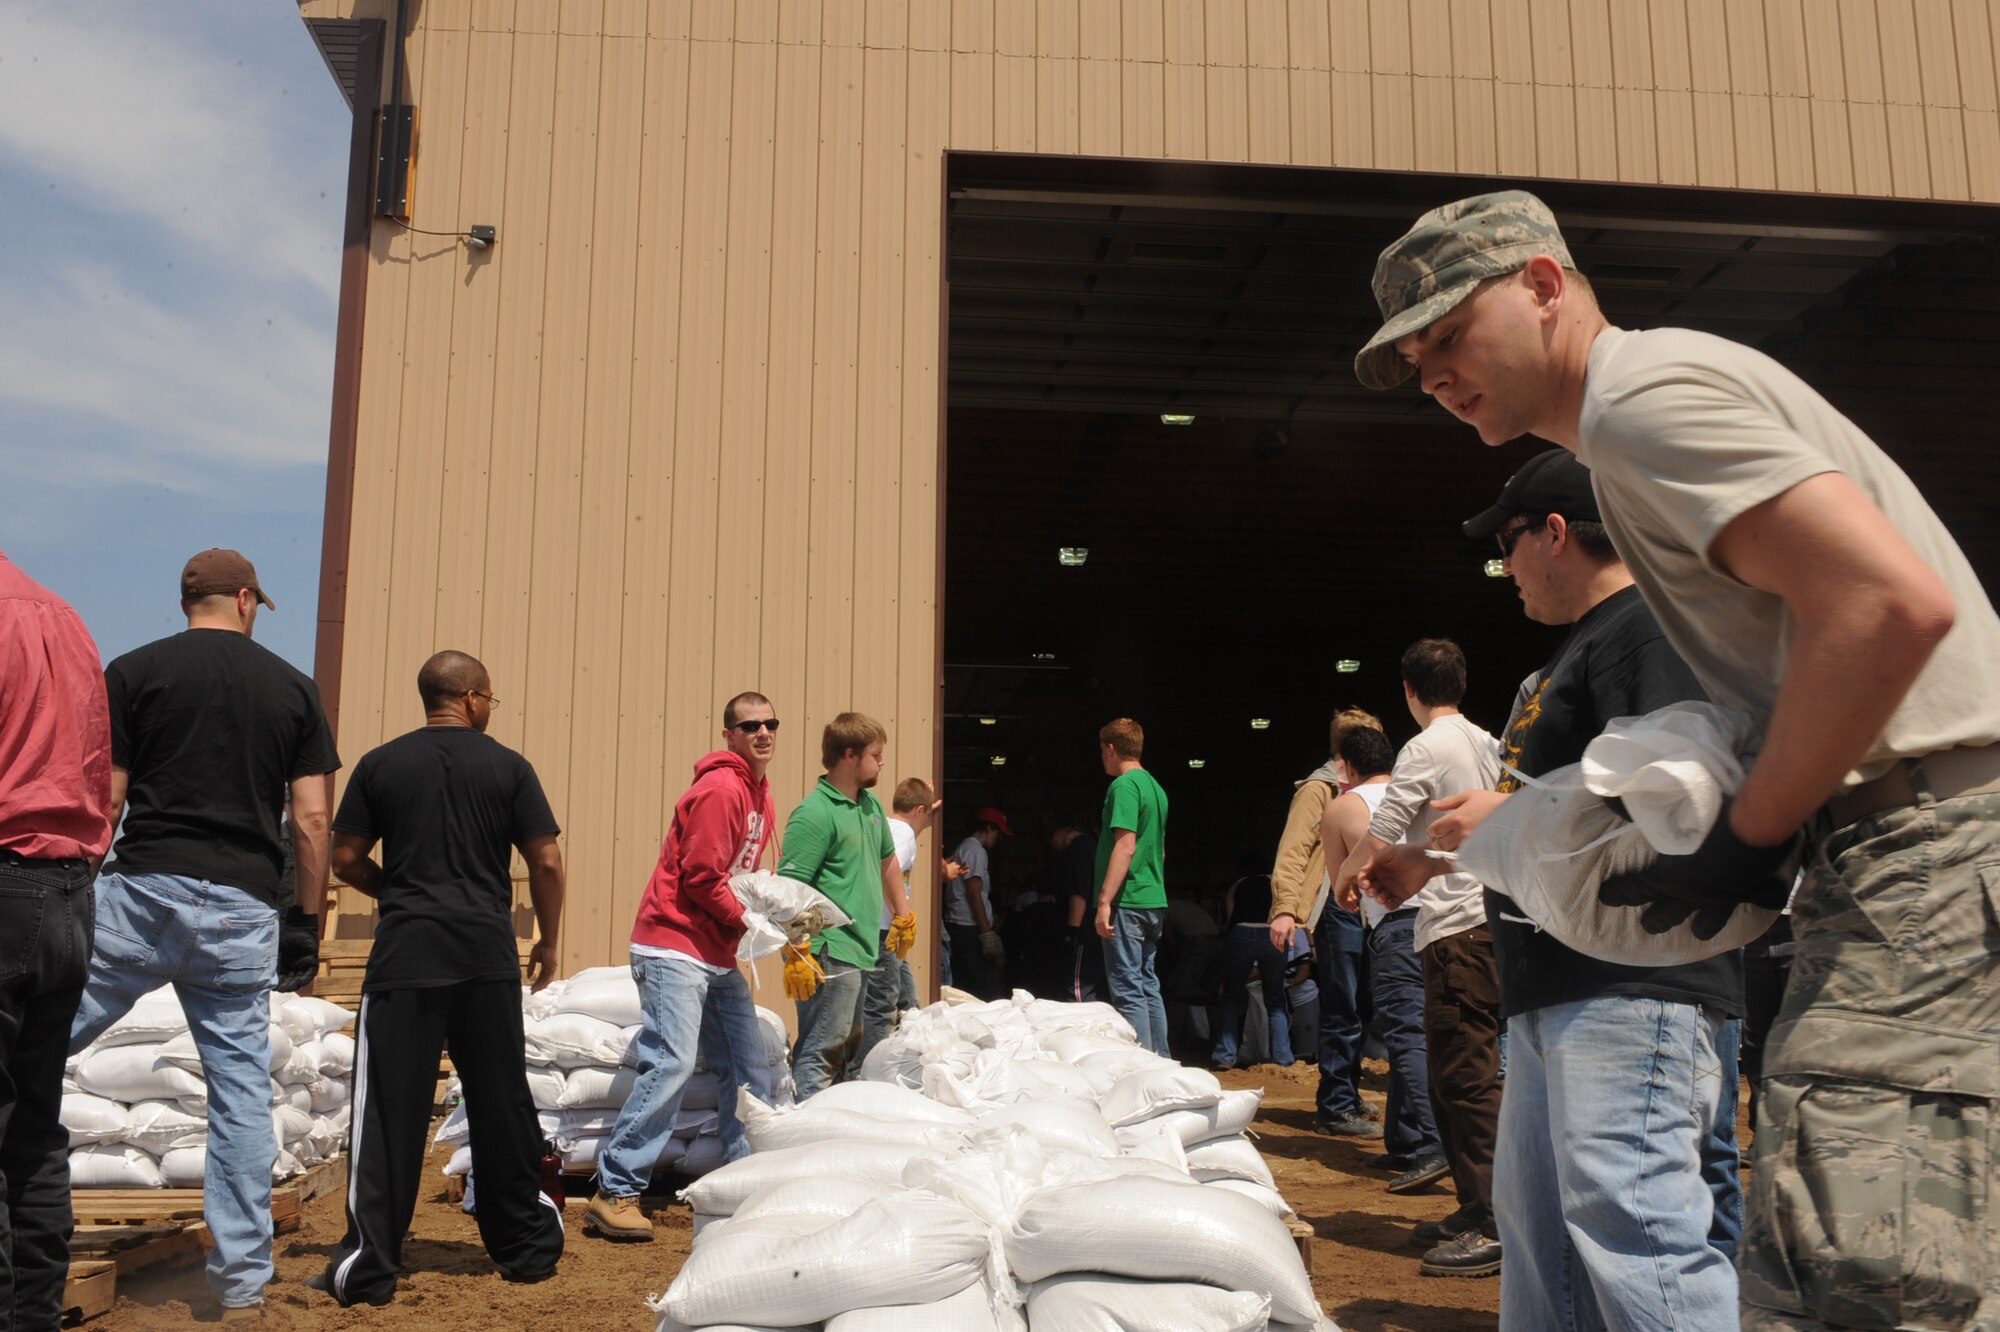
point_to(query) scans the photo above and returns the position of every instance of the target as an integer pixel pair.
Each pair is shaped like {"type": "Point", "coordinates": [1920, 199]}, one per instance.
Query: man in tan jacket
{"type": "Point", "coordinates": [1298, 881]}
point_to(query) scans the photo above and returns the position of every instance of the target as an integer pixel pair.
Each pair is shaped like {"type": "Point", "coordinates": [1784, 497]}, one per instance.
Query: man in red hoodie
{"type": "Point", "coordinates": [684, 960]}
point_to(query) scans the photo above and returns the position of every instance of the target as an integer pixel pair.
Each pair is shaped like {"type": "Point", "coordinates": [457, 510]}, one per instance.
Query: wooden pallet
{"type": "Point", "coordinates": [92, 1288]}
{"type": "Point", "coordinates": [322, 1179]}
{"type": "Point", "coordinates": [1302, 1235]}
{"type": "Point", "coordinates": [129, 1207]}
{"type": "Point", "coordinates": [135, 1248]}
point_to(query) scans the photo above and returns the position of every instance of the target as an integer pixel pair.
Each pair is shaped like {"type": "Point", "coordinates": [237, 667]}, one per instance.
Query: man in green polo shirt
{"type": "Point", "coordinates": [1132, 882]}
{"type": "Point", "coordinates": [838, 841]}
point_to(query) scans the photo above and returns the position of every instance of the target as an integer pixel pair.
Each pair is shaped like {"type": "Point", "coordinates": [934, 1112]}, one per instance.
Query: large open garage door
{"type": "Point", "coordinates": [1298, 524]}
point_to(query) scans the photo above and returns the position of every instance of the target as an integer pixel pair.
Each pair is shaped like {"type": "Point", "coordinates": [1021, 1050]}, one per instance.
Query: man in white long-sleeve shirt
{"type": "Point", "coordinates": [1461, 979]}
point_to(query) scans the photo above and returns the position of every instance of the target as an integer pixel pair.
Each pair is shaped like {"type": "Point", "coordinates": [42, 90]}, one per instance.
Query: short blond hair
{"type": "Point", "coordinates": [850, 730]}
{"type": "Point", "coordinates": [1349, 719]}
{"type": "Point", "coordinates": [912, 793]}
{"type": "Point", "coordinates": [1125, 736]}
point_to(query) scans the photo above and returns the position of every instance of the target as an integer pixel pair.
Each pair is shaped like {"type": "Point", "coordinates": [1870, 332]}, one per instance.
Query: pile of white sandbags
{"type": "Point", "coordinates": [581, 1035]}
{"type": "Point", "coordinates": [136, 1106]}
{"type": "Point", "coordinates": [1013, 1165]}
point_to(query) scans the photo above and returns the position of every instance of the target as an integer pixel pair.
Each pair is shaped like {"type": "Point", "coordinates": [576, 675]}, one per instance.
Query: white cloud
{"type": "Point", "coordinates": [168, 131]}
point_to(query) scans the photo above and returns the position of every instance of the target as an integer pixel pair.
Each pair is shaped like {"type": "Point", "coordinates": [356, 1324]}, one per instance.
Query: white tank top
{"type": "Point", "coordinates": [1372, 911]}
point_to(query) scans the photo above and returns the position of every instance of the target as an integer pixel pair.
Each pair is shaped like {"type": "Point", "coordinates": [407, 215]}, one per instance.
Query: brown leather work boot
{"type": "Point", "coordinates": [617, 1218]}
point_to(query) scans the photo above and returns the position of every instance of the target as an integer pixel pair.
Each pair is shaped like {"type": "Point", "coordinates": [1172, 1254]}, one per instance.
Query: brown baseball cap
{"type": "Point", "coordinates": [220, 572]}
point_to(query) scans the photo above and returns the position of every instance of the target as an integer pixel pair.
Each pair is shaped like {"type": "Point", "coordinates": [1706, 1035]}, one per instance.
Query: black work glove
{"type": "Point", "coordinates": [1708, 884]}
{"type": "Point", "coordinates": [298, 950]}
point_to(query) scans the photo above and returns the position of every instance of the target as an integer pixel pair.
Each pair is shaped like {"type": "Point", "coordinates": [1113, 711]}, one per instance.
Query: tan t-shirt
{"type": "Point", "coordinates": [1683, 432]}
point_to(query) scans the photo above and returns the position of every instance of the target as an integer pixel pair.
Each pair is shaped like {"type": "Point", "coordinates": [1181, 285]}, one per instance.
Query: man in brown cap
{"type": "Point", "coordinates": [1805, 580]}
{"type": "Point", "coordinates": [208, 734]}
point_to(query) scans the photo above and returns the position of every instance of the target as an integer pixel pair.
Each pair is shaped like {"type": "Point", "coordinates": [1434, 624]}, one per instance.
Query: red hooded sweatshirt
{"type": "Point", "coordinates": [719, 828]}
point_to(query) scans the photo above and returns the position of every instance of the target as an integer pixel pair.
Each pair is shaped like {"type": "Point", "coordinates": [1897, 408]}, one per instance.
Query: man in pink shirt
{"type": "Point", "coordinates": [55, 825]}
{"type": "Point", "coordinates": [684, 944]}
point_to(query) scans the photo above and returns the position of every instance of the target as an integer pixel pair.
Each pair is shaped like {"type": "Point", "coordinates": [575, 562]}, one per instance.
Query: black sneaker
{"type": "Point", "coordinates": [1425, 1170]}
{"type": "Point", "coordinates": [1389, 1161]}
{"type": "Point", "coordinates": [323, 1281]}
{"type": "Point", "coordinates": [1430, 1234]}
{"type": "Point", "coordinates": [1472, 1254]}
{"type": "Point", "coordinates": [1348, 1126]}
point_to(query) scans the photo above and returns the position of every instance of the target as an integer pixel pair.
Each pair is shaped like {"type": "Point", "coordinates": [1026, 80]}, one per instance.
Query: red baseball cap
{"type": "Point", "coordinates": [990, 814]}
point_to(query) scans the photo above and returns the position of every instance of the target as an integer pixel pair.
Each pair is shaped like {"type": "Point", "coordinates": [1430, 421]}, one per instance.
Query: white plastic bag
{"type": "Point", "coordinates": [92, 1119]}
{"type": "Point", "coordinates": [808, 1125]}
{"type": "Point", "coordinates": [113, 1166]}
{"type": "Point", "coordinates": [336, 1052]}
{"type": "Point", "coordinates": [136, 1073]}
{"type": "Point", "coordinates": [1233, 1113]}
{"type": "Point", "coordinates": [721, 1193]}
{"type": "Point", "coordinates": [771, 903]}
{"type": "Point", "coordinates": [1161, 1231]}
{"type": "Point", "coordinates": [594, 1087]}
{"type": "Point", "coordinates": [572, 1040]}
{"type": "Point", "coordinates": [912, 1248]}
{"type": "Point", "coordinates": [308, 1017]}
{"type": "Point", "coordinates": [157, 1127]}
{"type": "Point", "coordinates": [1095, 1302]}
{"type": "Point", "coordinates": [156, 1016]}
{"type": "Point", "coordinates": [608, 994]}
{"type": "Point", "coordinates": [1144, 1093]}
{"type": "Point", "coordinates": [1551, 845]}
{"type": "Point", "coordinates": [1229, 1158]}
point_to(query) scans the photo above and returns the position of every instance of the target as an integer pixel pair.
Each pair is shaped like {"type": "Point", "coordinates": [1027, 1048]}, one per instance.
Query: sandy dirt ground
{"type": "Point", "coordinates": [1362, 1267]}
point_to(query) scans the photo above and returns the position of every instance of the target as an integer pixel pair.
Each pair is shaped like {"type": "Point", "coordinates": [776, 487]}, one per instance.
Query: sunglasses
{"type": "Point", "coordinates": [1507, 537]}
{"type": "Point", "coordinates": [752, 727]}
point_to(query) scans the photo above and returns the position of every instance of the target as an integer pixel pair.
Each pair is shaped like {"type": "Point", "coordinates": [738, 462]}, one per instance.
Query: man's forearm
{"type": "Point", "coordinates": [361, 874]}
{"type": "Point", "coordinates": [545, 890]}
{"type": "Point", "coordinates": [311, 845]}
{"type": "Point", "coordinates": [975, 902]}
{"type": "Point", "coordinates": [1115, 870]}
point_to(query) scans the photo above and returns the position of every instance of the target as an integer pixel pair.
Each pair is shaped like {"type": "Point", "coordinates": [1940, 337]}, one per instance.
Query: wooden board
{"type": "Point", "coordinates": [1302, 1235]}
{"type": "Point", "coordinates": [322, 1179]}
{"type": "Point", "coordinates": [147, 1207]}
{"type": "Point", "coordinates": [92, 1288]}
{"type": "Point", "coordinates": [135, 1248]}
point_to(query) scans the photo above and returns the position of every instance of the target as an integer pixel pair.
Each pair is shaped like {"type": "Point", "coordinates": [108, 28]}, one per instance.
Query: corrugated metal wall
{"type": "Point", "coordinates": [676, 435]}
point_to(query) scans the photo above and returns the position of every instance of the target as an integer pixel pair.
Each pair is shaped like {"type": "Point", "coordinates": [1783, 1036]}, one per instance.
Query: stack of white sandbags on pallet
{"type": "Point", "coordinates": [136, 1106]}
{"type": "Point", "coordinates": [581, 1036]}
{"type": "Point", "coordinates": [1017, 1165]}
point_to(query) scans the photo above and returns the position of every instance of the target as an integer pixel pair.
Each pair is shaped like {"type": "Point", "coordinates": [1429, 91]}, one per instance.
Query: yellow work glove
{"type": "Point", "coordinates": [804, 926]}
{"type": "Point", "coordinates": [902, 934]}
{"type": "Point", "coordinates": [802, 974]}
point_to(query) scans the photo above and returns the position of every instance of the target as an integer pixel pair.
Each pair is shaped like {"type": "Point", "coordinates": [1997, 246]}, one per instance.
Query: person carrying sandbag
{"type": "Point", "coordinates": [684, 961]}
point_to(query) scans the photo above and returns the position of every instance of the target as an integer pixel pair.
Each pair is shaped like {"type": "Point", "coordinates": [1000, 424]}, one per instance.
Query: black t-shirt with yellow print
{"type": "Point", "coordinates": [1615, 663]}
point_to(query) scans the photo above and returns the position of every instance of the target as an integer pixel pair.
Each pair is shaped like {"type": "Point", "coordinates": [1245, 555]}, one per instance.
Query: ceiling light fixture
{"type": "Point", "coordinates": [1175, 418]}
{"type": "Point", "coordinates": [1260, 723]}
{"type": "Point", "coordinates": [989, 721]}
{"type": "Point", "coordinates": [1496, 568]}
{"type": "Point", "coordinates": [1197, 763]}
{"type": "Point", "coordinates": [998, 760]}
{"type": "Point", "coordinates": [1347, 666]}
{"type": "Point", "coordinates": [1042, 656]}
{"type": "Point", "coordinates": [1072, 557]}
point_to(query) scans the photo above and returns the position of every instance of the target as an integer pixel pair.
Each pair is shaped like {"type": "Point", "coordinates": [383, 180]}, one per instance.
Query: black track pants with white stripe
{"type": "Point", "coordinates": [402, 1033]}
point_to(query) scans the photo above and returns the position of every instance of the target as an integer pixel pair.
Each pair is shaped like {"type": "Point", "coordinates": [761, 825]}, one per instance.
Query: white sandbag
{"type": "Point", "coordinates": [1551, 845]}
{"type": "Point", "coordinates": [327, 1094]}
{"type": "Point", "coordinates": [113, 1166]}
{"type": "Point", "coordinates": [336, 1053]}
{"type": "Point", "coordinates": [998, 1079]}
{"type": "Point", "coordinates": [831, 1197]}
{"type": "Point", "coordinates": [157, 1016]}
{"type": "Point", "coordinates": [1051, 1017]}
{"type": "Point", "coordinates": [457, 1128]}
{"type": "Point", "coordinates": [290, 1124]}
{"type": "Point", "coordinates": [1230, 1115]}
{"type": "Point", "coordinates": [309, 1018]}
{"type": "Point", "coordinates": [136, 1073]}
{"type": "Point", "coordinates": [300, 1066]}
{"type": "Point", "coordinates": [1046, 1077]}
{"type": "Point", "coordinates": [1229, 1158]}
{"type": "Point", "coordinates": [572, 1040]}
{"type": "Point", "coordinates": [1095, 1302]}
{"type": "Point", "coordinates": [329, 1134]}
{"type": "Point", "coordinates": [1145, 1093]}
{"type": "Point", "coordinates": [970, 1310]}
{"type": "Point", "coordinates": [912, 1248]}
{"type": "Point", "coordinates": [92, 1119]}
{"type": "Point", "coordinates": [594, 1123]}
{"type": "Point", "coordinates": [1105, 1067]}
{"type": "Point", "coordinates": [1160, 1231]}
{"type": "Point", "coordinates": [777, 1040]}
{"type": "Point", "coordinates": [725, 1190]}
{"type": "Point", "coordinates": [669, 1323]}
{"type": "Point", "coordinates": [771, 904]}
{"type": "Point", "coordinates": [703, 1155]}
{"type": "Point", "coordinates": [1071, 1046]}
{"type": "Point", "coordinates": [298, 1096]}
{"type": "Point", "coordinates": [185, 1167]}
{"type": "Point", "coordinates": [595, 1086]}
{"type": "Point", "coordinates": [608, 994]}
{"type": "Point", "coordinates": [460, 1163]}
{"type": "Point", "coordinates": [157, 1127]}
{"type": "Point", "coordinates": [538, 1004]}
{"type": "Point", "coordinates": [887, 1101]}
{"type": "Point", "coordinates": [546, 1086]}
{"type": "Point", "coordinates": [286, 1166]}
{"type": "Point", "coordinates": [1068, 1125]}
{"type": "Point", "coordinates": [703, 1092]}
{"type": "Point", "coordinates": [1267, 1198]}
{"type": "Point", "coordinates": [770, 1129]}
{"type": "Point", "coordinates": [581, 1154]}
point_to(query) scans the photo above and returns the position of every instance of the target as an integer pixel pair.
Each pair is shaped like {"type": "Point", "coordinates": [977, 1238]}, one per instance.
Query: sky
{"type": "Point", "coordinates": [171, 176]}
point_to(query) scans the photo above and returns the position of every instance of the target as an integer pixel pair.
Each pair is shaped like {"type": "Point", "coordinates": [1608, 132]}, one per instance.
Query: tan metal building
{"type": "Point", "coordinates": [679, 430]}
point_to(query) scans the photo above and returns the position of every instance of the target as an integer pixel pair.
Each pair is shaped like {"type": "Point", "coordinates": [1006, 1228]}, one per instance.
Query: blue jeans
{"type": "Point", "coordinates": [1599, 1193]}
{"type": "Point", "coordinates": [1340, 964]}
{"type": "Point", "coordinates": [829, 1028]}
{"type": "Point", "coordinates": [1244, 947]}
{"type": "Point", "coordinates": [890, 989]}
{"type": "Point", "coordinates": [1396, 976]}
{"type": "Point", "coordinates": [683, 1007]}
{"type": "Point", "coordinates": [218, 947]}
{"type": "Point", "coordinates": [1721, 1163]}
{"type": "Point", "coordinates": [1128, 969]}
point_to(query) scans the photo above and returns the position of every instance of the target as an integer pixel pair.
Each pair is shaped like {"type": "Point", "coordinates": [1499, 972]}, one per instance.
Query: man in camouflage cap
{"type": "Point", "coordinates": [1805, 580]}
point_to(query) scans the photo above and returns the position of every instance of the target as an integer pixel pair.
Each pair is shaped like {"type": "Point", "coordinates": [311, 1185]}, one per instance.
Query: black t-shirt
{"type": "Point", "coordinates": [213, 729]}
{"type": "Point", "coordinates": [447, 804]}
{"type": "Point", "coordinates": [1615, 663]}
{"type": "Point", "coordinates": [1251, 904]}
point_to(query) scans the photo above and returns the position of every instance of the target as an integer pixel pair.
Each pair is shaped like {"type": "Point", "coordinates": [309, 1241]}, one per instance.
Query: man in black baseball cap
{"type": "Point", "coordinates": [1552, 482]}
{"type": "Point", "coordinates": [220, 573]}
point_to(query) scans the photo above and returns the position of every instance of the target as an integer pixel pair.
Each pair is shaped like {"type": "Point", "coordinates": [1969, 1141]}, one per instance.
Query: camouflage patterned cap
{"type": "Point", "coordinates": [1438, 262]}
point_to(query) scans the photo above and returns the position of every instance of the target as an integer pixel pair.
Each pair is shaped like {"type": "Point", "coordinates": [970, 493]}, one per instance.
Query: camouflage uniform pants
{"type": "Point", "coordinates": [1876, 1148]}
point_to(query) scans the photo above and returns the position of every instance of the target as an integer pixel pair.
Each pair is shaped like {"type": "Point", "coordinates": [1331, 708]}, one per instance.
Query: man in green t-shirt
{"type": "Point", "coordinates": [838, 841]}
{"type": "Point", "coordinates": [1132, 882]}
